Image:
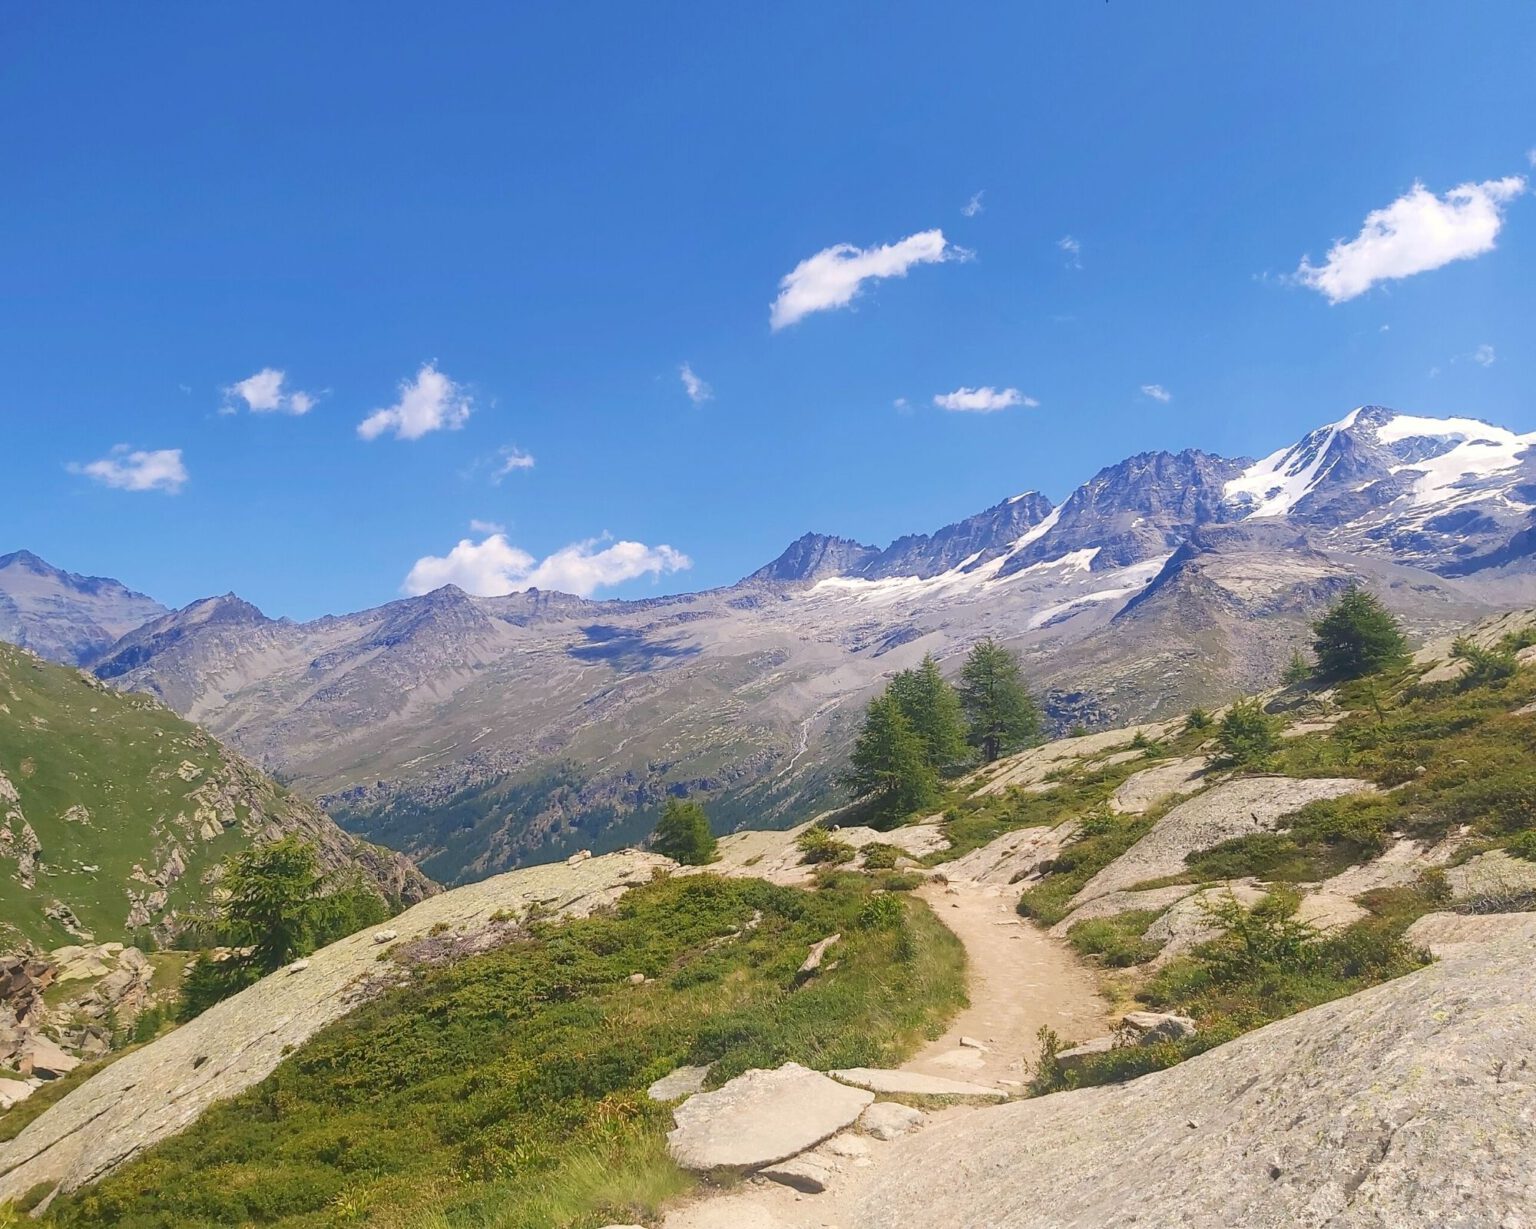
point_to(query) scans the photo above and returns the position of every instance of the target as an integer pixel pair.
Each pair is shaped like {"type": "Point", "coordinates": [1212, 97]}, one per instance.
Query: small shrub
{"type": "Point", "coordinates": [820, 846]}
{"type": "Point", "coordinates": [883, 912]}
{"type": "Point", "coordinates": [1485, 667]}
{"type": "Point", "coordinates": [1198, 719]}
{"type": "Point", "coordinates": [881, 857]}
{"type": "Point", "coordinates": [1524, 845]}
{"type": "Point", "coordinates": [1249, 737]}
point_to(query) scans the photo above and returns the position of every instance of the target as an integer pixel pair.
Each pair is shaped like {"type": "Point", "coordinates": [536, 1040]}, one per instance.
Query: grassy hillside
{"type": "Point", "coordinates": [509, 1088]}
{"type": "Point", "coordinates": [114, 811]}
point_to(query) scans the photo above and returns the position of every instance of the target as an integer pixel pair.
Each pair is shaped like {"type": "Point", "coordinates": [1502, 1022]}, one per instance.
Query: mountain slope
{"type": "Point", "coordinates": [480, 733]}
{"type": "Point", "coordinates": [64, 616]}
{"type": "Point", "coordinates": [114, 812]}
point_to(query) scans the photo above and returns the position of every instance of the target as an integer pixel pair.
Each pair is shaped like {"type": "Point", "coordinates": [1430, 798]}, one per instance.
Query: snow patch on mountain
{"type": "Point", "coordinates": [1481, 451]}
{"type": "Point", "coordinates": [1281, 480]}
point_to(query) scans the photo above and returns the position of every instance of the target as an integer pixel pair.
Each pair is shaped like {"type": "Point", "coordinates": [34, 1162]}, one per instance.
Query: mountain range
{"type": "Point", "coordinates": [479, 733]}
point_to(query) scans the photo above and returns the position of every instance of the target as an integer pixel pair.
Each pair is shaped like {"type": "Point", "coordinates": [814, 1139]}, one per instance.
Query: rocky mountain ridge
{"type": "Point", "coordinates": [480, 733]}
{"type": "Point", "coordinates": [64, 616]}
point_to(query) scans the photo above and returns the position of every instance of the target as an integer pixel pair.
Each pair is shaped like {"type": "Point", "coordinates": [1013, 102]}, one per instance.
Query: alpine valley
{"type": "Point", "coordinates": [481, 733]}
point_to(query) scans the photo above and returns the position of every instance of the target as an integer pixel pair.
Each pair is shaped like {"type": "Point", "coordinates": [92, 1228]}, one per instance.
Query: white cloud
{"type": "Point", "coordinates": [509, 459]}
{"type": "Point", "coordinates": [1530, 155]}
{"type": "Point", "coordinates": [1157, 392]}
{"type": "Point", "coordinates": [430, 402]}
{"type": "Point", "coordinates": [984, 400]}
{"type": "Point", "coordinates": [832, 277]}
{"type": "Point", "coordinates": [1483, 355]}
{"type": "Point", "coordinates": [264, 393]}
{"type": "Point", "coordinates": [128, 469]}
{"type": "Point", "coordinates": [698, 390]}
{"type": "Point", "coordinates": [974, 206]}
{"type": "Point", "coordinates": [476, 525]}
{"type": "Point", "coordinates": [1073, 250]}
{"type": "Point", "coordinates": [1417, 232]}
{"type": "Point", "coordinates": [494, 566]}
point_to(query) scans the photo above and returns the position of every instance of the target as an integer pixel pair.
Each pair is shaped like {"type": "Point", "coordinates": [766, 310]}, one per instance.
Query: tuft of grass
{"type": "Point", "coordinates": [1116, 941]}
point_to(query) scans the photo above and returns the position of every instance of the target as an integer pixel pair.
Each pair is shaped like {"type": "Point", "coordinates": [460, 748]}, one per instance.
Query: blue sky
{"type": "Point", "coordinates": [551, 210]}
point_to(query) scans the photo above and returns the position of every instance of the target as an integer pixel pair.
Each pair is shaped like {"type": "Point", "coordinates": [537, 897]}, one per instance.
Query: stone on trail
{"type": "Point", "coordinates": [914, 1084]}
{"type": "Point", "coordinates": [890, 1120]}
{"type": "Point", "coordinates": [799, 1173]}
{"type": "Point", "coordinates": [683, 1082]}
{"type": "Point", "coordinates": [848, 1146]}
{"type": "Point", "coordinates": [761, 1117]}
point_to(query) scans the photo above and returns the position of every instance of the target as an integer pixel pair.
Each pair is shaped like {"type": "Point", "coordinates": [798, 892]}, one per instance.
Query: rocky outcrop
{"type": "Point", "coordinates": [1408, 1106]}
{"type": "Point", "coordinates": [1234, 808]}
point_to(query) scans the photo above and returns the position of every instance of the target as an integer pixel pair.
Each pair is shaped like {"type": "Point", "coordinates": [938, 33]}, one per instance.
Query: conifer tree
{"type": "Point", "coordinates": [890, 768]}
{"type": "Point", "coordinates": [683, 834]}
{"type": "Point", "coordinates": [932, 709]}
{"type": "Point", "coordinates": [1358, 636]}
{"type": "Point", "coordinates": [1001, 715]}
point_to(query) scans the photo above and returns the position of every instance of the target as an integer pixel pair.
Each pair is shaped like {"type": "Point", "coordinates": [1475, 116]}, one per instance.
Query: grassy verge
{"type": "Point", "coordinates": [509, 1089]}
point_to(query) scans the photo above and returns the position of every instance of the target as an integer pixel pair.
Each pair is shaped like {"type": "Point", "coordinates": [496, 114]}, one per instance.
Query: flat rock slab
{"type": "Point", "coordinates": [1116, 903]}
{"type": "Point", "coordinates": [1234, 808]}
{"type": "Point", "coordinates": [762, 1117]}
{"type": "Point", "coordinates": [683, 1082]}
{"type": "Point", "coordinates": [1012, 857]}
{"type": "Point", "coordinates": [890, 1120]}
{"type": "Point", "coordinates": [1492, 877]}
{"type": "Point", "coordinates": [1141, 791]}
{"type": "Point", "coordinates": [914, 1084]}
{"type": "Point", "coordinates": [1449, 934]}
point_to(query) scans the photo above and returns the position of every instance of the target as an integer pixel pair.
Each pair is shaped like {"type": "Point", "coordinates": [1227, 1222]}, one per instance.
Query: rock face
{"type": "Point", "coordinates": [156, 1091]}
{"type": "Point", "coordinates": [62, 616]}
{"type": "Point", "coordinates": [762, 1117]}
{"type": "Point", "coordinates": [1407, 1106]}
{"type": "Point", "coordinates": [1232, 809]}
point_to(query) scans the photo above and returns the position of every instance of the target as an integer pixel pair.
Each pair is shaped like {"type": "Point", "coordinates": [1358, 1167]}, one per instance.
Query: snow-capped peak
{"type": "Point", "coordinates": [1277, 484]}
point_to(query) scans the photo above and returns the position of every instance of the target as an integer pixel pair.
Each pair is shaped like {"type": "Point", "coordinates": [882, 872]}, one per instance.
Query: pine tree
{"type": "Point", "coordinates": [890, 768]}
{"type": "Point", "coordinates": [1000, 714]}
{"type": "Point", "coordinates": [932, 709]}
{"type": "Point", "coordinates": [683, 834]}
{"type": "Point", "coordinates": [1358, 636]}
{"type": "Point", "coordinates": [1297, 670]}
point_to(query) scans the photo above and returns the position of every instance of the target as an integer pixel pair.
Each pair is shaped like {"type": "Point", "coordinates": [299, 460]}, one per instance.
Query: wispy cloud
{"type": "Point", "coordinates": [984, 400]}
{"type": "Point", "coordinates": [493, 566]}
{"type": "Point", "coordinates": [1072, 249]}
{"type": "Point", "coordinates": [974, 206]}
{"type": "Point", "coordinates": [509, 459]}
{"type": "Point", "coordinates": [1483, 355]}
{"type": "Point", "coordinates": [1157, 392]}
{"type": "Point", "coordinates": [698, 390]}
{"type": "Point", "coordinates": [266, 393]}
{"type": "Point", "coordinates": [1417, 232]}
{"type": "Point", "coordinates": [476, 525]}
{"type": "Point", "coordinates": [430, 402]}
{"type": "Point", "coordinates": [126, 468]}
{"type": "Point", "coordinates": [832, 277]}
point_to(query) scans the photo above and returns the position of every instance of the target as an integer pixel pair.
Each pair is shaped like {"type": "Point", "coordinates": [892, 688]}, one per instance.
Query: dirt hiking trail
{"type": "Point", "coordinates": [1019, 979]}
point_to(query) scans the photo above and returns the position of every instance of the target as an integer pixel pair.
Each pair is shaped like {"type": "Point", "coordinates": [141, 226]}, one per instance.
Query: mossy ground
{"type": "Point", "coordinates": [509, 1089]}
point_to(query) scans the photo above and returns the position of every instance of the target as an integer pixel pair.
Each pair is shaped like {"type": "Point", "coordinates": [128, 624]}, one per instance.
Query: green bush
{"type": "Point", "coordinates": [882, 857]}
{"type": "Point", "coordinates": [817, 845]}
{"type": "Point", "coordinates": [1248, 737]}
{"type": "Point", "coordinates": [883, 912]}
